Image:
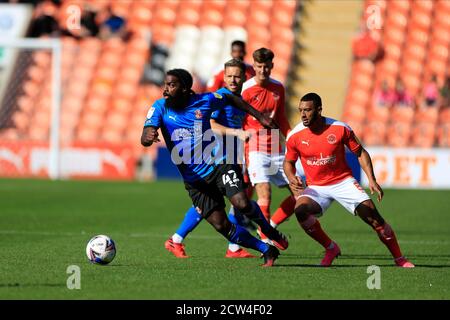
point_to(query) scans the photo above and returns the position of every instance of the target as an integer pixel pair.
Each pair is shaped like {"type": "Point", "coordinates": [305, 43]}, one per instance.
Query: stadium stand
{"type": "Point", "coordinates": [415, 36]}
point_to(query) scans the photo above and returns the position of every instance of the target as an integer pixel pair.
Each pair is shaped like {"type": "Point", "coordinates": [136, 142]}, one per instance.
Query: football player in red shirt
{"type": "Point", "coordinates": [320, 144]}
{"type": "Point", "coordinates": [264, 153]}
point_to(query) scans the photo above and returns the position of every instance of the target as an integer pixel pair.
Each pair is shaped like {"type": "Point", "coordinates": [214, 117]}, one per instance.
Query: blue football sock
{"type": "Point", "coordinates": [233, 220]}
{"type": "Point", "coordinates": [257, 217]}
{"type": "Point", "coordinates": [191, 220]}
{"type": "Point", "coordinates": [243, 238]}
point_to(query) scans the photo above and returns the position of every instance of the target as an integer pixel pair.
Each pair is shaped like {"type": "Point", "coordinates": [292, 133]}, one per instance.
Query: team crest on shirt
{"type": "Point", "coordinates": [150, 112]}
{"type": "Point", "coordinates": [331, 138]}
{"type": "Point", "coordinates": [218, 96]}
{"type": "Point", "coordinates": [198, 114]}
{"type": "Point", "coordinates": [275, 96]}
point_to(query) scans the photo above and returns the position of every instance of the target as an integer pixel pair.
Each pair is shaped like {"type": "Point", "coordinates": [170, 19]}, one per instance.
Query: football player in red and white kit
{"type": "Point", "coordinates": [237, 52]}
{"type": "Point", "coordinates": [264, 154]}
{"type": "Point", "coordinates": [320, 144]}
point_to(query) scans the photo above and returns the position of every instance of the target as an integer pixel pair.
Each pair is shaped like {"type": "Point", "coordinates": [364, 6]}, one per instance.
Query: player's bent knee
{"type": "Point", "coordinates": [302, 211]}
{"type": "Point", "coordinates": [305, 208]}
{"type": "Point", "coordinates": [241, 202]}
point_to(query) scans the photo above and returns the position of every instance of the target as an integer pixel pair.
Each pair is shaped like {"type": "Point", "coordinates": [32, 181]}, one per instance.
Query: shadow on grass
{"type": "Point", "coordinates": [315, 266]}
{"type": "Point", "coordinates": [298, 265]}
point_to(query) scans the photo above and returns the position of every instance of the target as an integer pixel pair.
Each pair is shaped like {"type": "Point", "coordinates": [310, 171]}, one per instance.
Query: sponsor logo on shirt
{"type": "Point", "coordinates": [322, 161]}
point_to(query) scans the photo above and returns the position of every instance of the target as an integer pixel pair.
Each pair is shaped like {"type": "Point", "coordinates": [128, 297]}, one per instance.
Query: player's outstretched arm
{"type": "Point", "coordinates": [149, 135]}
{"type": "Point", "coordinates": [223, 130]}
{"type": "Point", "coordinates": [237, 102]}
{"type": "Point", "coordinates": [366, 164]}
{"type": "Point", "coordinates": [295, 182]}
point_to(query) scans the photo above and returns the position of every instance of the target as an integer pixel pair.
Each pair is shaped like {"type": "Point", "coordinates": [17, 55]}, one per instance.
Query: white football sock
{"type": "Point", "coordinates": [177, 238]}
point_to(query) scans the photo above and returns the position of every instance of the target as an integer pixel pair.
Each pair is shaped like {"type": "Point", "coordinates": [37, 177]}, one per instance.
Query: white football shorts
{"type": "Point", "coordinates": [263, 167]}
{"type": "Point", "coordinates": [347, 192]}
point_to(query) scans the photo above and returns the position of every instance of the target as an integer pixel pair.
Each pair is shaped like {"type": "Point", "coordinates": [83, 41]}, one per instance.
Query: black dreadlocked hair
{"type": "Point", "coordinates": [184, 77]}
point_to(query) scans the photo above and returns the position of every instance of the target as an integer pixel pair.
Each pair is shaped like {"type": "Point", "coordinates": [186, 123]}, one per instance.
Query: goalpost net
{"type": "Point", "coordinates": [30, 107]}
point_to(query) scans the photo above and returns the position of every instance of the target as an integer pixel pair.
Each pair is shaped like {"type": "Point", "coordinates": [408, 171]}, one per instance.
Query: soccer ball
{"type": "Point", "coordinates": [101, 249]}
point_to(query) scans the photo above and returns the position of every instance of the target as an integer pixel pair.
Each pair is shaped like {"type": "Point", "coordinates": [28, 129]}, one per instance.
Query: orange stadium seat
{"type": "Point", "coordinates": [399, 134]}
{"type": "Point", "coordinates": [375, 133]}
{"type": "Point", "coordinates": [105, 73]}
{"type": "Point", "coordinates": [419, 20]}
{"type": "Point", "coordinates": [355, 112]}
{"type": "Point", "coordinates": [92, 119]}
{"type": "Point", "coordinates": [38, 133]}
{"type": "Point", "coordinates": [21, 120]}
{"type": "Point", "coordinates": [114, 44]}
{"type": "Point", "coordinates": [398, 6]}
{"type": "Point", "coordinates": [418, 37]}
{"type": "Point", "coordinates": [26, 103]}
{"type": "Point", "coordinates": [423, 135]}
{"type": "Point", "coordinates": [357, 127]}
{"type": "Point", "coordinates": [164, 15]}
{"type": "Point", "coordinates": [443, 135]}
{"type": "Point", "coordinates": [10, 134]}
{"type": "Point", "coordinates": [116, 120]}
{"type": "Point", "coordinates": [141, 13]}
{"type": "Point", "coordinates": [122, 105]}
{"type": "Point", "coordinates": [233, 18]}
{"type": "Point", "coordinates": [31, 89]}
{"type": "Point", "coordinates": [210, 16]}
{"type": "Point", "coordinates": [378, 114]}
{"type": "Point", "coordinates": [187, 15]}
{"type": "Point", "coordinates": [37, 74]}
{"type": "Point", "coordinates": [112, 135]}
{"type": "Point", "coordinates": [101, 88]}
{"type": "Point", "coordinates": [402, 114]}
{"type": "Point", "coordinates": [424, 6]}
{"type": "Point", "coordinates": [444, 115]}
{"type": "Point", "coordinates": [261, 5]}
{"type": "Point", "coordinates": [428, 115]}
{"type": "Point", "coordinates": [259, 17]}
{"type": "Point", "coordinates": [162, 33]}
{"type": "Point", "coordinates": [42, 58]}
{"type": "Point", "coordinates": [96, 104]}
{"type": "Point", "coordinates": [87, 134]}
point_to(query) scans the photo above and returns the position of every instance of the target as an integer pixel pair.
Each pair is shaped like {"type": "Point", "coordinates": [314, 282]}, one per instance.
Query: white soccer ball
{"type": "Point", "coordinates": [101, 249]}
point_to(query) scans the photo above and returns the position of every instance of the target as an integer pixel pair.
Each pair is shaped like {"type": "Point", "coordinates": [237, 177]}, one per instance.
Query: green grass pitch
{"type": "Point", "coordinates": [45, 225]}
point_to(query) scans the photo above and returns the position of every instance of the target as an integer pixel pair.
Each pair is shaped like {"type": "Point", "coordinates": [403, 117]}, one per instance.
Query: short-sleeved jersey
{"type": "Point", "coordinates": [216, 82]}
{"type": "Point", "coordinates": [322, 155]}
{"type": "Point", "coordinates": [268, 99]}
{"type": "Point", "coordinates": [230, 117]}
{"type": "Point", "coordinates": [184, 130]}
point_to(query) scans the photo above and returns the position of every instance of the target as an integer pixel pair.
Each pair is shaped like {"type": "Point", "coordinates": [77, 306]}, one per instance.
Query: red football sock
{"type": "Point", "coordinates": [387, 236]}
{"type": "Point", "coordinates": [265, 208]}
{"type": "Point", "coordinates": [285, 210]}
{"type": "Point", "coordinates": [312, 227]}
